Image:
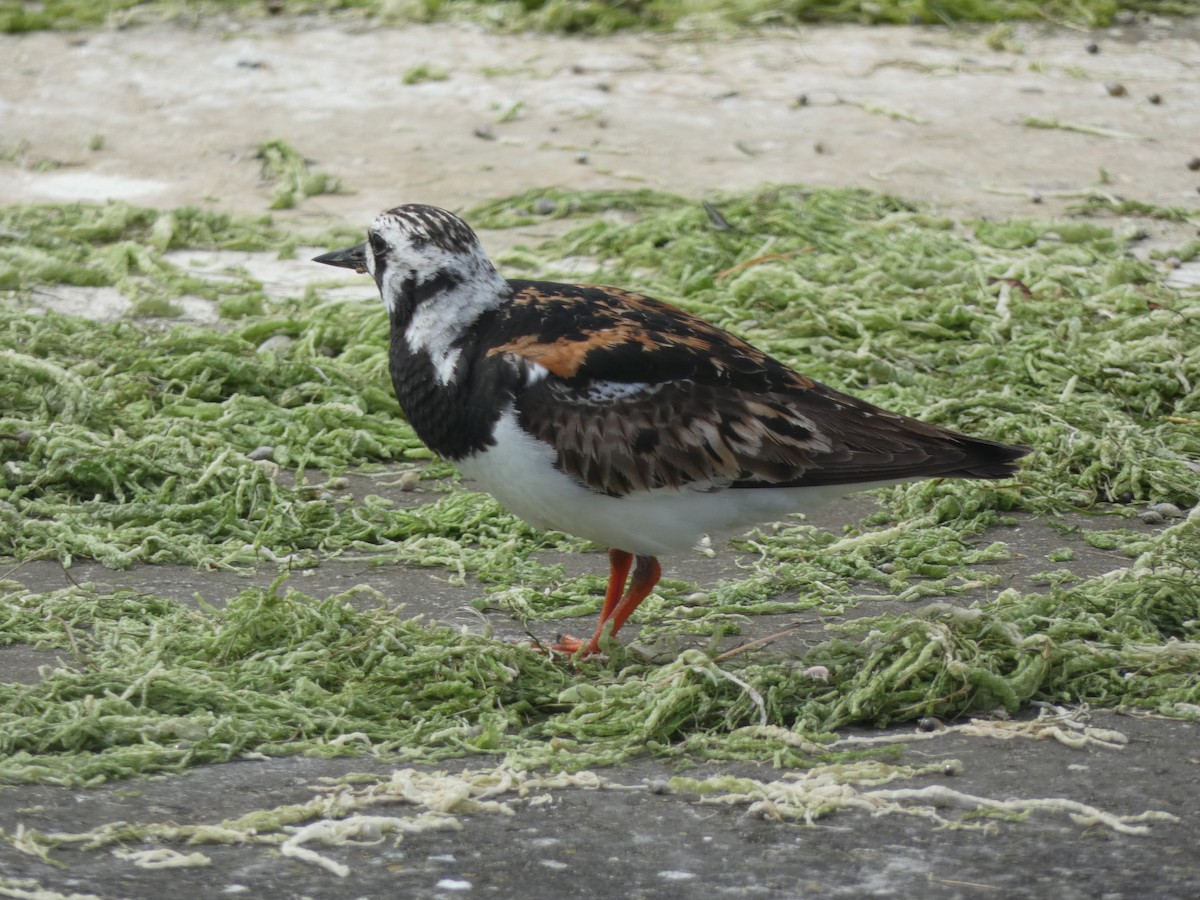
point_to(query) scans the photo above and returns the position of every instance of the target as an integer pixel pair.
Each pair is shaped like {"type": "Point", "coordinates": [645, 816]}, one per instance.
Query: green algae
{"type": "Point", "coordinates": [209, 685]}
{"type": "Point", "coordinates": [290, 172]}
{"type": "Point", "coordinates": [123, 246]}
{"type": "Point", "coordinates": [157, 686]}
{"type": "Point", "coordinates": [128, 443]}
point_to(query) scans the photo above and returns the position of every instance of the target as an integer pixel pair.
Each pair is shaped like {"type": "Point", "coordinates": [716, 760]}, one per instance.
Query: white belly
{"type": "Point", "coordinates": [519, 472]}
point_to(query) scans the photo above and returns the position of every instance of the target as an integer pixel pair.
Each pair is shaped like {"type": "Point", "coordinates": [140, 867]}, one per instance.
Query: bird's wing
{"type": "Point", "coordinates": [634, 394]}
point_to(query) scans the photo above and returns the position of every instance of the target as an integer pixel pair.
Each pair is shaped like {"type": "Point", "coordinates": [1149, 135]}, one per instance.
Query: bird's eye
{"type": "Point", "coordinates": [379, 252]}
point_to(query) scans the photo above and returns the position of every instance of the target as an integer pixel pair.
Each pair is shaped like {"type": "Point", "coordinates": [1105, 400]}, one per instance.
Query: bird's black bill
{"type": "Point", "coordinates": [351, 258]}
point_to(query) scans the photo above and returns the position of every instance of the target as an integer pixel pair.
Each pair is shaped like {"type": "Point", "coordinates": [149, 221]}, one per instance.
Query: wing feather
{"type": "Point", "coordinates": [640, 395]}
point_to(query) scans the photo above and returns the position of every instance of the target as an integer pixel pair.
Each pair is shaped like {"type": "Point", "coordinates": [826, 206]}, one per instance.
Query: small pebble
{"type": "Point", "coordinates": [952, 767]}
{"type": "Point", "coordinates": [264, 452]}
{"type": "Point", "coordinates": [275, 344]}
{"type": "Point", "coordinates": [820, 149]}
{"type": "Point", "coordinates": [1152, 517]}
{"type": "Point", "coordinates": [409, 480]}
{"type": "Point", "coordinates": [1092, 47]}
{"type": "Point", "coordinates": [658, 786]}
{"type": "Point", "coordinates": [582, 159]}
{"type": "Point", "coordinates": [544, 206]}
{"type": "Point", "coordinates": [1167, 510]}
{"type": "Point", "coordinates": [802, 100]}
{"type": "Point", "coordinates": [484, 131]}
{"type": "Point", "coordinates": [1193, 164]}
{"type": "Point", "coordinates": [817, 673]}
{"type": "Point", "coordinates": [1116, 89]}
{"type": "Point", "coordinates": [887, 568]}
{"type": "Point", "coordinates": [1156, 99]}
{"type": "Point", "coordinates": [929, 723]}
{"type": "Point", "coordinates": [1035, 197]}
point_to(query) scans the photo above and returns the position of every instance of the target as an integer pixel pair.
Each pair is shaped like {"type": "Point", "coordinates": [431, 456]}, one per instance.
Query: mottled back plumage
{"type": "Point", "coordinates": [642, 395]}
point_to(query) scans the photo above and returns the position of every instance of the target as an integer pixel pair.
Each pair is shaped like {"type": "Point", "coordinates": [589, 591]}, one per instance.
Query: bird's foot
{"type": "Point", "coordinates": [571, 646]}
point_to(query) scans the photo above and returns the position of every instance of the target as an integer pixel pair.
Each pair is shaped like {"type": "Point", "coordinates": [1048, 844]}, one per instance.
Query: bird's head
{"type": "Point", "coordinates": [417, 253]}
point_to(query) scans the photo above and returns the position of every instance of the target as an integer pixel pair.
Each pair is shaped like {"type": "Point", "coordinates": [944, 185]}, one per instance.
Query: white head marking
{"type": "Point", "coordinates": [434, 278]}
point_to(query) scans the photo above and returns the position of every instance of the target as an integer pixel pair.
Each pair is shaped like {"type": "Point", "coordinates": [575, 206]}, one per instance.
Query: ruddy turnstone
{"type": "Point", "coordinates": [619, 418]}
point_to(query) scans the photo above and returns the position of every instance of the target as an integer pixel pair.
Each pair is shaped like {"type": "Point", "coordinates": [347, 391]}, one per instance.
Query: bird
{"type": "Point", "coordinates": [618, 418]}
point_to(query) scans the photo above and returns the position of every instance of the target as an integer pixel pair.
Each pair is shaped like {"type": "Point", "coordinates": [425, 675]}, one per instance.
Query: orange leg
{"type": "Point", "coordinates": [618, 573]}
{"type": "Point", "coordinates": [619, 604]}
{"type": "Point", "coordinates": [645, 576]}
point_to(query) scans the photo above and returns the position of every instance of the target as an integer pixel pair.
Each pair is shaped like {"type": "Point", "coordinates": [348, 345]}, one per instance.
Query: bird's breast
{"type": "Point", "coordinates": [452, 400]}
